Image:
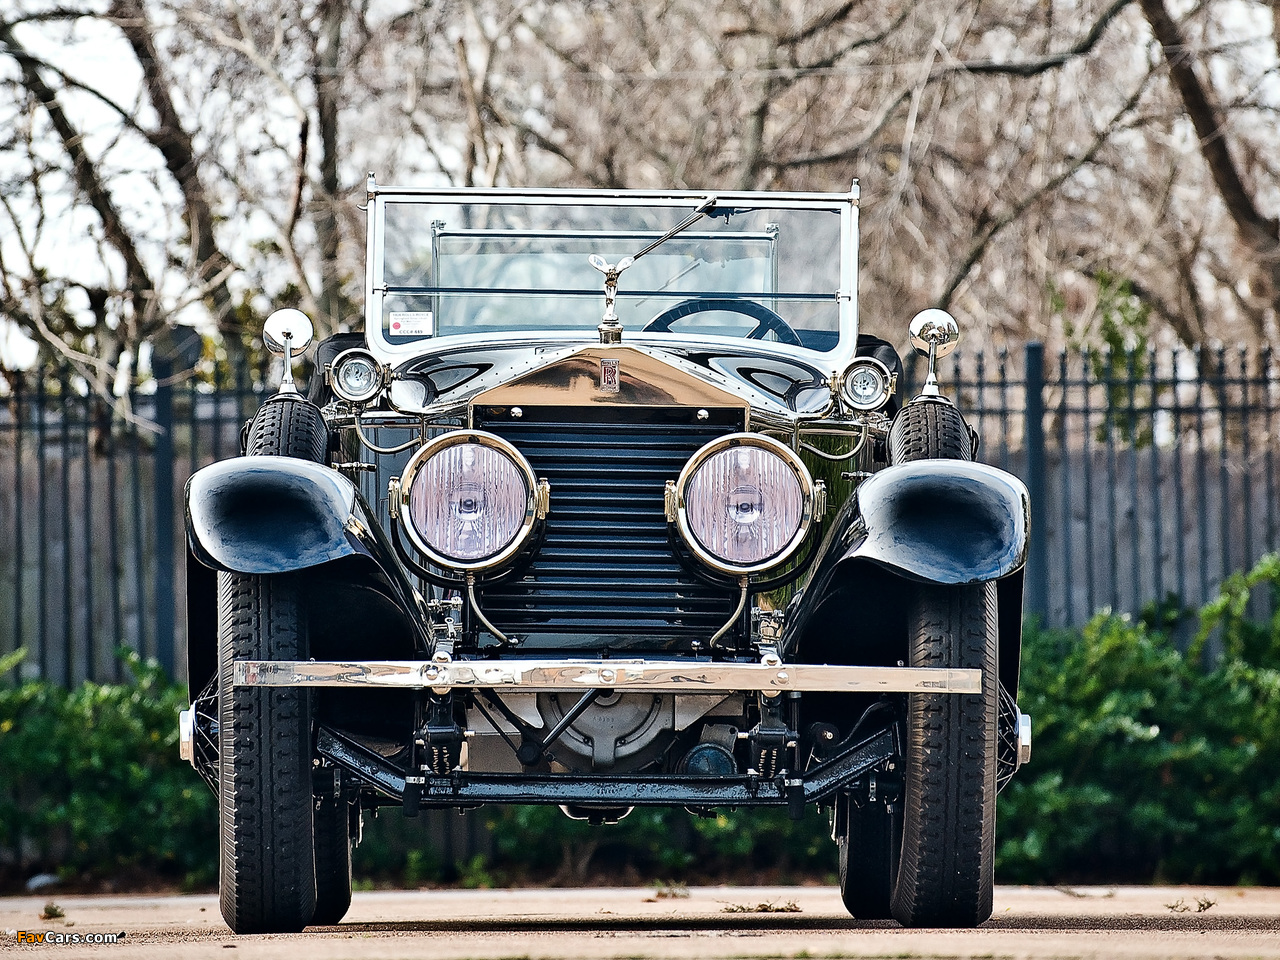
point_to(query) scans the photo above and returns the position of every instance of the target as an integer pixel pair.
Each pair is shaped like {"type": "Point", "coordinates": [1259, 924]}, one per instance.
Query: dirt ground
{"type": "Point", "coordinates": [704, 923]}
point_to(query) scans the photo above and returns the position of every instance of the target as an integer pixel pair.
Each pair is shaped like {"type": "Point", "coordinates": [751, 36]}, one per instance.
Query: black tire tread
{"type": "Point", "coordinates": [929, 430]}
{"type": "Point", "coordinates": [288, 426]}
{"type": "Point", "coordinates": [333, 860]}
{"type": "Point", "coordinates": [946, 873]}
{"type": "Point", "coordinates": [267, 880]}
{"type": "Point", "coordinates": [867, 856]}
{"type": "Point", "coordinates": [267, 839]}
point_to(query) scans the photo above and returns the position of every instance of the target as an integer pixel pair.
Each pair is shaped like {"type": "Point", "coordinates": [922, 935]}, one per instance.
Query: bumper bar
{"type": "Point", "coordinates": [659, 676]}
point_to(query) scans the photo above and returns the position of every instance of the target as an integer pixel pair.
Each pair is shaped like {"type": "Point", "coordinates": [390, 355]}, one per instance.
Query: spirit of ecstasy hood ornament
{"type": "Point", "coordinates": [610, 326]}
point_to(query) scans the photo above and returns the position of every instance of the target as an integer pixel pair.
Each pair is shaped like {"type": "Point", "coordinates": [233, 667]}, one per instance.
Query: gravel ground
{"type": "Point", "coordinates": [703, 923]}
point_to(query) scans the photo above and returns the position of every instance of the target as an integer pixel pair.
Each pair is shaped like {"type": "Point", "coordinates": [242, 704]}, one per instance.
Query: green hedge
{"type": "Point", "coordinates": [93, 787]}
{"type": "Point", "coordinates": [1151, 763]}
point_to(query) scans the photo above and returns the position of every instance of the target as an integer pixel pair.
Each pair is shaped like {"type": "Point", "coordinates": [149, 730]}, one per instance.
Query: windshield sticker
{"type": "Point", "coordinates": [414, 323]}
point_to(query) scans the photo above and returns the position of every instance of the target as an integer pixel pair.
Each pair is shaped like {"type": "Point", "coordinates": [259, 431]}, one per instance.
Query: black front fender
{"type": "Point", "coordinates": [273, 515]}
{"type": "Point", "coordinates": [934, 521]}
{"type": "Point", "coordinates": [943, 521]}
{"type": "Point", "coordinates": [266, 515]}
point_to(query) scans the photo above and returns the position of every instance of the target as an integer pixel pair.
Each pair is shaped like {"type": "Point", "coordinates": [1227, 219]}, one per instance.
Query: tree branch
{"type": "Point", "coordinates": [175, 146]}
{"type": "Point", "coordinates": [328, 95]}
{"type": "Point", "coordinates": [1260, 233]}
{"type": "Point", "coordinates": [979, 247]}
{"type": "Point", "coordinates": [849, 152]}
{"type": "Point", "coordinates": [86, 176]}
{"type": "Point", "coordinates": [1037, 65]}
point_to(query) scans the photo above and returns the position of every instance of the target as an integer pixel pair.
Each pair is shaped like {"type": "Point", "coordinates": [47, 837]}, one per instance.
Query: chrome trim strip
{"type": "Point", "coordinates": [608, 197]}
{"type": "Point", "coordinates": [660, 676]}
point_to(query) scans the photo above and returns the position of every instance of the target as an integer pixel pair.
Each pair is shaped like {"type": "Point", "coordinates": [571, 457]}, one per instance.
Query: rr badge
{"type": "Point", "coordinates": [609, 376]}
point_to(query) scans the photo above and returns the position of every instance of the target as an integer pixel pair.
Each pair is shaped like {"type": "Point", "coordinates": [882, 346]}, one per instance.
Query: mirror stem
{"type": "Point", "coordinates": [286, 379]}
{"type": "Point", "coordinates": [930, 388]}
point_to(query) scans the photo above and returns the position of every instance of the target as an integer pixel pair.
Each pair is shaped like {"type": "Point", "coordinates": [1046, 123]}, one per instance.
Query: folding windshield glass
{"type": "Point", "coordinates": [498, 266]}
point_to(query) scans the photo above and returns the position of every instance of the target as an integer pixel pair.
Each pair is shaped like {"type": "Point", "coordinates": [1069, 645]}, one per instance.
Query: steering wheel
{"type": "Point", "coordinates": [767, 320]}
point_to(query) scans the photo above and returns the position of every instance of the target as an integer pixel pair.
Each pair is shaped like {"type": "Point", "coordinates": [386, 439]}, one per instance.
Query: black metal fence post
{"type": "Point", "coordinates": [1037, 582]}
{"type": "Point", "coordinates": [165, 600]}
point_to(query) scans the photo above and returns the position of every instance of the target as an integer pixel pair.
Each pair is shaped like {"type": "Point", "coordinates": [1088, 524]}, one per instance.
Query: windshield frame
{"type": "Point", "coordinates": [380, 197]}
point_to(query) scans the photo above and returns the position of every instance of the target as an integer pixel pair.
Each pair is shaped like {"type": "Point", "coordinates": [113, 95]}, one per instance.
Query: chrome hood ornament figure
{"type": "Point", "coordinates": [610, 326]}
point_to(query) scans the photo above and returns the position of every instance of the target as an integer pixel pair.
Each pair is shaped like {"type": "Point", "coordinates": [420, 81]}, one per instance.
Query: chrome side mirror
{"type": "Point", "coordinates": [287, 333]}
{"type": "Point", "coordinates": [934, 331]}
{"type": "Point", "coordinates": [934, 334]}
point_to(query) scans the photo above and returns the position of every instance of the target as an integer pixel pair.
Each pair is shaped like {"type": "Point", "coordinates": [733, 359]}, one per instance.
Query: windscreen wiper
{"type": "Point", "coordinates": [610, 326]}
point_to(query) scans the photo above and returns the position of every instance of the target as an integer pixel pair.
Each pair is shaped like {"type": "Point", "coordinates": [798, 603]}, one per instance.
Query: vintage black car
{"type": "Point", "coordinates": [610, 505]}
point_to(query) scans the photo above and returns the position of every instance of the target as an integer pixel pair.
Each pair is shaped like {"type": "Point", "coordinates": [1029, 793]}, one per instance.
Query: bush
{"type": "Point", "coordinates": [1150, 763]}
{"type": "Point", "coordinates": [93, 784]}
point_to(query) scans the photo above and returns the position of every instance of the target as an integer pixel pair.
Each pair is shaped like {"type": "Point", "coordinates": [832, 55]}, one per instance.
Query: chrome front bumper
{"type": "Point", "coordinates": [657, 676]}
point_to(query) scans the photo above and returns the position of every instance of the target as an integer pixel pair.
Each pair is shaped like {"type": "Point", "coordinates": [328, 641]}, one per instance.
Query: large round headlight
{"type": "Point", "coordinates": [867, 384]}
{"type": "Point", "coordinates": [745, 503]}
{"type": "Point", "coordinates": [470, 500]}
{"type": "Point", "coordinates": [356, 376]}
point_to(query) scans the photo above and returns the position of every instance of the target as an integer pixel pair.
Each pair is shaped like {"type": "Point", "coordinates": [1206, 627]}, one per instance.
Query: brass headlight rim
{"type": "Point", "coordinates": [482, 438]}
{"type": "Point", "coordinates": [334, 383]}
{"type": "Point", "coordinates": [784, 453]}
{"type": "Point", "coordinates": [888, 378]}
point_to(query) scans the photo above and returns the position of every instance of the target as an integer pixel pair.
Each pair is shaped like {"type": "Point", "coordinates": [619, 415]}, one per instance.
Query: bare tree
{"type": "Point", "coordinates": [1218, 141]}
{"type": "Point", "coordinates": [1015, 156]}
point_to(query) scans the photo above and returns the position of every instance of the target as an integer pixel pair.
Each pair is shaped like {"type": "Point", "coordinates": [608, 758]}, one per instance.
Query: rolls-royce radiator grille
{"type": "Point", "coordinates": [605, 568]}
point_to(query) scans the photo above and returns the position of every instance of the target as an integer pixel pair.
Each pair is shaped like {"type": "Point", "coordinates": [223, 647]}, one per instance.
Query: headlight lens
{"type": "Point", "coordinates": [746, 503]}
{"type": "Point", "coordinates": [356, 376]}
{"type": "Point", "coordinates": [867, 384]}
{"type": "Point", "coordinates": [470, 500]}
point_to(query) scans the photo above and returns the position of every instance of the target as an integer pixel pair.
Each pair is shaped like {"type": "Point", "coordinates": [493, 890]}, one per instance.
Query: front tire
{"type": "Point", "coordinates": [266, 823]}
{"type": "Point", "coordinates": [288, 426]}
{"type": "Point", "coordinates": [946, 873]}
{"type": "Point", "coordinates": [929, 430]}
{"type": "Point", "coordinates": [333, 860]}
{"type": "Point", "coordinates": [267, 877]}
{"type": "Point", "coordinates": [869, 853]}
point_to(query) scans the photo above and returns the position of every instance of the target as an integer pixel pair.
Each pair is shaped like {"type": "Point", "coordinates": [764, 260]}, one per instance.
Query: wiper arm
{"type": "Point", "coordinates": [610, 326]}
{"type": "Point", "coordinates": [702, 210]}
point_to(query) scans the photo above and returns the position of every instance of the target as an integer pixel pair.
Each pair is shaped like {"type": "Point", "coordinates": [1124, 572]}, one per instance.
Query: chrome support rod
{"type": "Point", "coordinates": [369, 444]}
{"type": "Point", "coordinates": [733, 618]}
{"type": "Point", "coordinates": [475, 608]}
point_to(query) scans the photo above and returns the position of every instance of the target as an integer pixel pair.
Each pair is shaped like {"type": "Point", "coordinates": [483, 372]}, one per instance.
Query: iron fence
{"type": "Point", "coordinates": [1152, 474]}
{"type": "Point", "coordinates": [92, 550]}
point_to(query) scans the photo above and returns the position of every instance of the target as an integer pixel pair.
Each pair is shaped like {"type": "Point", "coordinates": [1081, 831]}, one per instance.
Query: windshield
{"type": "Point", "coordinates": [501, 265]}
